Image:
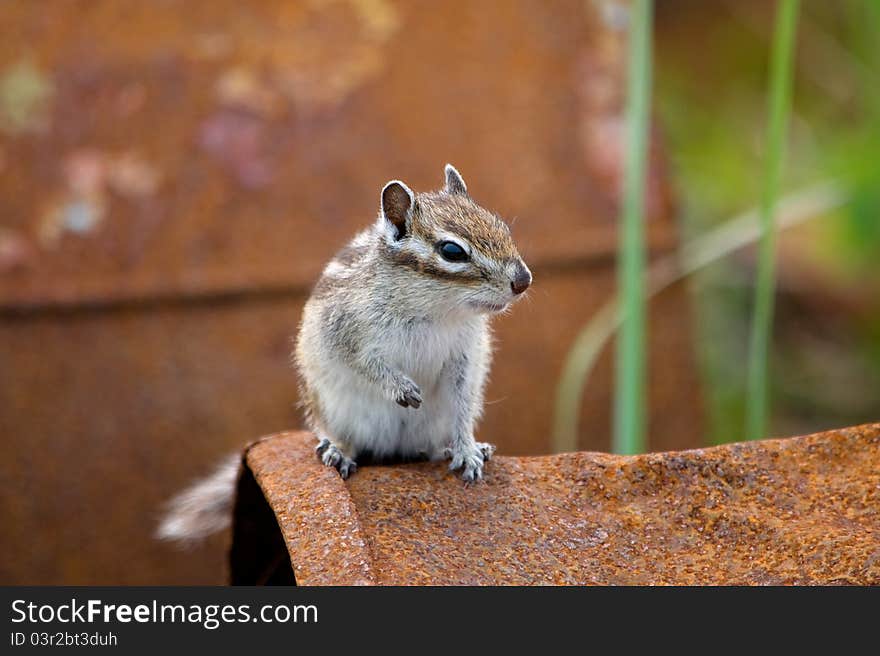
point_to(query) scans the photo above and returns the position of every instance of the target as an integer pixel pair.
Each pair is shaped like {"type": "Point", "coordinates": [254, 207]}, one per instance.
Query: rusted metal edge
{"type": "Point", "coordinates": [328, 545]}
{"type": "Point", "coordinates": [312, 505]}
{"type": "Point", "coordinates": [65, 304]}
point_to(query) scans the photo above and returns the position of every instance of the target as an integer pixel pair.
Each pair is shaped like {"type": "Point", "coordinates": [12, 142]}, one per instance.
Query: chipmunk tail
{"type": "Point", "coordinates": [203, 508]}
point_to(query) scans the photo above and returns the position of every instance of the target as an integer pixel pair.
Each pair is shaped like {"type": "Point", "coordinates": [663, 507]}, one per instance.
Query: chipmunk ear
{"type": "Point", "coordinates": [397, 206]}
{"type": "Point", "coordinates": [454, 182]}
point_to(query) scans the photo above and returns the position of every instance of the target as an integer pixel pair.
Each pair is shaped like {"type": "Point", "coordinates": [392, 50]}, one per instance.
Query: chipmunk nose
{"type": "Point", "coordinates": [521, 279]}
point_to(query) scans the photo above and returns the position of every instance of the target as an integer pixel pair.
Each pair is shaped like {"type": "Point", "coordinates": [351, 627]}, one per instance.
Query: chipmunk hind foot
{"type": "Point", "coordinates": [333, 456]}
{"type": "Point", "coordinates": [469, 457]}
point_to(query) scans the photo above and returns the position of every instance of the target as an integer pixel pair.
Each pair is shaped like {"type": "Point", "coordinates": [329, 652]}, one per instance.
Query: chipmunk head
{"type": "Point", "coordinates": [458, 249]}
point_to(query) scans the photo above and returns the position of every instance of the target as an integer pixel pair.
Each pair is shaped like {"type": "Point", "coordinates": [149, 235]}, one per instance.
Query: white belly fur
{"type": "Point", "coordinates": [358, 416]}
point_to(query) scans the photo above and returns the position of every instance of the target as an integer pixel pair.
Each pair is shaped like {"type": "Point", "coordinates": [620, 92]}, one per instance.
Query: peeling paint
{"type": "Point", "coordinates": [25, 96]}
{"type": "Point", "coordinates": [90, 175]}
{"type": "Point", "coordinates": [91, 172]}
{"type": "Point", "coordinates": [317, 71]}
{"type": "Point", "coordinates": [238, 141]}
{"type": "Point", "coordinates": [130, 175]}
{"type": "Point", "coordinates": [84, 172]}
{"type": "Point", "coordinates": [212, 46]}
{"type": "Point", "coordinates": [77, 215]}
{"type": "Point", "coordinates": [81, 216]}
{"type": "Point", "coordinates": [131, 99]}
{"type": "Point", "coordinates": [379, 18]}
{"type": "Point", "coordinates": [16, 252]}
{"type": "Point", "coordinates": [242, 87]}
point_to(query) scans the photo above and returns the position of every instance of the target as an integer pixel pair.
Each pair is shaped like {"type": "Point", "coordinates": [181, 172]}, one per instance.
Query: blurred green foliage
{"type": "Point", "coordinates": [711, 70]}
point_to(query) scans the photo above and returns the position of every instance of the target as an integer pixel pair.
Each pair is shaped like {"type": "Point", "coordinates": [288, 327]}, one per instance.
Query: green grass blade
{"type": "Point", "coordinates": [738, 232]}
{"type": "Point", "coordinates": [781, 73]}
{"type": "Point", "coordinates": [629, 400]}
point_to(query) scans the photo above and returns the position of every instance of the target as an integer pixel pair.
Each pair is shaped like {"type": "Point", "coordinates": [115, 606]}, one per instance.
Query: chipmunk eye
{"type": "Point", "coordinates": [452, 251]}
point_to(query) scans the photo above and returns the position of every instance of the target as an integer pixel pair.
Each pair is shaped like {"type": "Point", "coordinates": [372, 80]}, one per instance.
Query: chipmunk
{"type": "Point", "coordinates": [394, 344]}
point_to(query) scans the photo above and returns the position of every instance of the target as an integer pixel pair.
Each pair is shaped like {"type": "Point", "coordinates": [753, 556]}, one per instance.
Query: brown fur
{"type": "Point", "coordinates": [460, 215]}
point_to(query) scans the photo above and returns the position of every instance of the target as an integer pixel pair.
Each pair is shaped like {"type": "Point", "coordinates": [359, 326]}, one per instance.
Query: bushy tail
{"type": "Point", "coordinates": [203, 508]}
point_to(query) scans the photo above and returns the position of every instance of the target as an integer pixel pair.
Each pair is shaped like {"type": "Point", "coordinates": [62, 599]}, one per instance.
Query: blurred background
{"type": "Point", "coordinates": [174, 175]}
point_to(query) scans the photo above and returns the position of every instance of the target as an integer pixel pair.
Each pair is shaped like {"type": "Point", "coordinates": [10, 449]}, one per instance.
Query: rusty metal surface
{"type": "Point", "coordinates": [187, 148]}
{"type": "Point", "coordinates": [103, 417]}
{"type": "Point", "coordinates": [172, 179]}
{"type": "Point", "coordinates": [795, 511]}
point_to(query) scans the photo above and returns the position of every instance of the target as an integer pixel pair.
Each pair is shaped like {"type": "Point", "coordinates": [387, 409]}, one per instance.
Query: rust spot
{"type": "Point", "coordinates": [239, 142]}
{"type": "Point", "coordinates": [25, 96]}
{"type": "Point", "coordinates": [78, 215]}
{"type": "Point", "coordinates": [16, 252]}
{"type": "Point", "coordinates": [244, 88]}
{"type": "Point", "coordinates": [132, 176]}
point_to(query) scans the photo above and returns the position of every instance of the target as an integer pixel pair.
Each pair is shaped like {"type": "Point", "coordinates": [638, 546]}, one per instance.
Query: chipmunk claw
{"type": "Point", "coordinates": [346, 467]}
{"type": "Point", "coordinates": [470, 459]}
{"type": "Point", "coordinates": [332, 456]}
{"type": "Point", "coordinates": [488, 450]}
{"type": "Point", "coordinates": [410, 396]}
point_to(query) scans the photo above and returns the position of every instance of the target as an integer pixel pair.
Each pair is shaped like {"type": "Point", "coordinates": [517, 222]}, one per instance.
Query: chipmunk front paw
{"type": "Point", "coordinates": [409, 395]}
{"type": "Point", "coordinates": [470, 457]}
